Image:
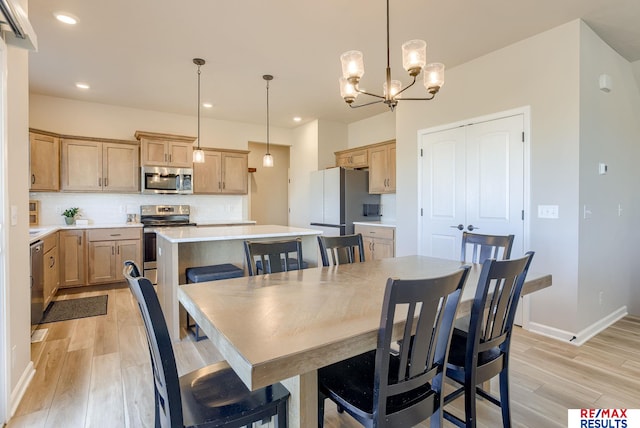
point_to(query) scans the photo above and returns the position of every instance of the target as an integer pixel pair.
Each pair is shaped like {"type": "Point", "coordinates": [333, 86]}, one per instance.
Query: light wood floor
{"type": "Point", "coordinates": [95, 372]}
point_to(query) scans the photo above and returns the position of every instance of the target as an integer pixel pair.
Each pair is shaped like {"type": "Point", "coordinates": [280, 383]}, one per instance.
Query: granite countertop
{"type": "Point", "coordinates": [375, 223]}
{"type": "Point", "coordinates": [201, 234]}
{"type": "Point", "coordinates": [39, 232]}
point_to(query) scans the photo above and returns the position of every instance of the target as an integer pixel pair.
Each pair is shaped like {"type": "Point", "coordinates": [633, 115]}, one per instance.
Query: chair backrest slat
{"type": "Point", "coordinates": [429, 306]}
{"type": "Point", "coordinates": [341, 248]}
{"type": "Point", "coordinates": [486, 247]}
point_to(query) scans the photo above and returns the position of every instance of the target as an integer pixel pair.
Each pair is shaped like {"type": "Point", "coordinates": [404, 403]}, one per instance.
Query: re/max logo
{"type": "Point", "coordinates": [603, 413]}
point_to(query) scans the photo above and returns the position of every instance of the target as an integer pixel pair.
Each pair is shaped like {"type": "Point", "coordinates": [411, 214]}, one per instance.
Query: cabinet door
{"type": "Point", "coordinates": [120, 168]}
{"type": "Point", "coordinates": [153, 152]}
{"type": "Point", "coordinates": [377, 169]}
{"type": "Point", "coordinates": [391, 169]}
{"type": "Point", "coordinates": [383, 249]}
{"type": "Point", "coordinates": [127, 250]}
{"type": "Point", "coordinates": [207, 175]}
{"type": "Point", "coordinates": [51, 275]}
{"type": "Point", "coordinates": [368, 248]}
{"type": "Point", "coordinates": [81, 165]}
{"type": "Point", "coordinates": [72, 258]}
{"type": "Point", "coordinates": [102, 261]}
{"type": "Point", "coordinates": [44, 162]}
{"type": "Point", "coordinates": [234, 173]}
{"type": "Point", "coordinates": [180, 154]}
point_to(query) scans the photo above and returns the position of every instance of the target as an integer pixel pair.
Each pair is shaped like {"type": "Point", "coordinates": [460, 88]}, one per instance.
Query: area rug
{"type": "Point", "coordinates": [63, 310]}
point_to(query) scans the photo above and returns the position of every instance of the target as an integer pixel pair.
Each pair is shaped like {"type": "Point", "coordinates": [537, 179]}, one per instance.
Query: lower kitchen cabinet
{"type": "Point", "coordinates": [51, 267]}
{"type": "Point", "coordinates": [379, 241]}
{"type": "Point", "coordinates": [107, 251]}
{"type": "Point", "coordinates": [72, 258]}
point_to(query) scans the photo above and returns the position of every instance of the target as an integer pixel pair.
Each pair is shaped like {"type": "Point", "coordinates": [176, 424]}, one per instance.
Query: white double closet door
{"type": "Point", "coordinates": [472, 179]}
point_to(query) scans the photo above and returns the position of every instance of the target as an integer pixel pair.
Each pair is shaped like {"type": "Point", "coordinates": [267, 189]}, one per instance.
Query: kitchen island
{"type": "Point", "coordinates": [181, 247]}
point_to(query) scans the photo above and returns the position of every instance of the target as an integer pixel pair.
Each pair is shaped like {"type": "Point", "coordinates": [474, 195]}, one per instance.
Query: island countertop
{"type": "Point", "coordinates": [216, 233]}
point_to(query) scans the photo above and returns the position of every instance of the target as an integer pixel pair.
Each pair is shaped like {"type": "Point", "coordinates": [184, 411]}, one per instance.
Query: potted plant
{"type": "Point", "coordinates": [70, 215]}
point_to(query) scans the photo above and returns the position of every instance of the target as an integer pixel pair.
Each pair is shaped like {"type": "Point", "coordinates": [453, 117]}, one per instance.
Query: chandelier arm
{"type": "Point", "coordinates": [367, 104]}
{"type": "Point", "coordinates": [368, 93]}
{"type": "Point", "coordinates": [418, 99]}
{"type": "Point", "coordinates": [407, 87]}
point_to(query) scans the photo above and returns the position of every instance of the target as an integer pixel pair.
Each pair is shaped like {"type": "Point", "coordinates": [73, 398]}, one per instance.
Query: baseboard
{"type": "Point", "coordinates": [20, 389]}
{"type": "Point", "coordinates": [582, 336]}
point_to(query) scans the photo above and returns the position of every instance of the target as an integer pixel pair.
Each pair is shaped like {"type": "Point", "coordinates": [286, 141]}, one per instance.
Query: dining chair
{"type": "Point", "coordinates": [213, 396]}
{"type": "Point", "coordinates": [486, 247]}
{"type": "Point", "coordinates": [343, 249]}
{"type": "Point", "coordinates": [481, 352]}
{"type": "Point", "coordinates": [379, 389]}
{"type": "Point", "coordinates": [286, 255]}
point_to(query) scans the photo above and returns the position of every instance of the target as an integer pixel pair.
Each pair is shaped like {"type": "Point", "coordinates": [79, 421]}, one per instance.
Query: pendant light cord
{"type": "Point", "coordinates": [268, 117]}
{"type": "Point", "coordinates": [198, 106]}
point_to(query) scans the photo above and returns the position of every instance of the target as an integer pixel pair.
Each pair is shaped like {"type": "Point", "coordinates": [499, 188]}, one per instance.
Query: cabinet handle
{"type": "Point", "coordinates": [79, 240]}
{"type": "Point", "coordinates": [118, 250]}
{"type": "Point", "coordinates": [113, 251]}
{"type": "Point", "coordinates": [99, 182]}
{"type": "Point", "coordinates": [106, 182]}
{"type": "Point", "coordinates": [170, 160]}
{"type": "Point", "coordinates": [52, 261]}
{"type": "Point", "coordinates": [223, 185]}
{"type": "Point", "coordinates": [33, 179]}
{"type": "Point", "coordinates": [115, 234]}
{"type": "Point", "coordinates": [219, 185]}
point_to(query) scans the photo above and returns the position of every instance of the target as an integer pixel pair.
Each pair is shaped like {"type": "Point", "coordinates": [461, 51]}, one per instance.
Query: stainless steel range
{"type": "Point", "coordinates": [153, 217]}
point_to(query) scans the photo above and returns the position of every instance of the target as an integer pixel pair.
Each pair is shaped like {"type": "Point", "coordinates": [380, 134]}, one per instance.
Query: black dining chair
{"type": "Point", "coordinates": [213, 396]}
{"type": "Point", "coordinates": [483, 247]}
{"type": "Point", "coordinates": [343, 249]}
{"type": "Point", "coordinates": [273, 256]}
{"type": "Point", "coordinates": [481, 352]}
{"type": "Point", "coordinates": [379, 389]}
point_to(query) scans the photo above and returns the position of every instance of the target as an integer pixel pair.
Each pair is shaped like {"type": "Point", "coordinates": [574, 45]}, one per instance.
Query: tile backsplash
{"type": "Point", "coordinates": [113, 208]}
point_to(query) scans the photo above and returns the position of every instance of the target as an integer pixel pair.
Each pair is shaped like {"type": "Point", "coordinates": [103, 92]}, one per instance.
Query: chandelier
{"type": "Point", "coordinates": [414, 53]}
{"type": "Point", "coordinates": [198, 154]}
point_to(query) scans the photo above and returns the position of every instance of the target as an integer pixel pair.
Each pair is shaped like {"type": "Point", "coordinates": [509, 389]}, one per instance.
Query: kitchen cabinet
{"type": "Point", "coordinates": [100, 165]}
{"type": "Point", "coordinates": [353, 158]}
{"type": "Point", "coordinates": [379, 241]}
{"type": "Point", "coordinates": [382, 168]}
{"type": "Point", "coordinates": [107, 251]}
{"type": "Point", "coordinates": [165, 149]}
{"type": "Point", "coordinates": [223, 172]}
{"type": "Point", "coordinates": [51, 267]}
{"type": "Point", "coordinates": [44, 162]}
{"type": "Point", "coordinates": [72, 258]}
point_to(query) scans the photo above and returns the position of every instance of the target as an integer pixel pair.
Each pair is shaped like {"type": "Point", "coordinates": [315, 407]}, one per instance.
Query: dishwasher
{"type": "Point", "coordinates": [37, 284]}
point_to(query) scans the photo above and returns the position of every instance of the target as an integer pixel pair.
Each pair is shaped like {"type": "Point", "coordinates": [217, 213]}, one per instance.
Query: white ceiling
{"type": "Point", "coordinates": [138, 53]}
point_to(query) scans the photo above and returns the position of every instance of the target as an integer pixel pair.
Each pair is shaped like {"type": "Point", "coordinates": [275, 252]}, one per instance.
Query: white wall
{"type": "Point", "coordinates": [18, 293]}
{"type": "Point", "coordinates": [527, 73]}
{"type": "Point", "coordinates": [304, 159]}
{"type": "Point", "coordinates": [609, 130]}
{"type": "Point", "coordinates": [332, 137]}
{"type": "Point", "coordinates": [378, 128]}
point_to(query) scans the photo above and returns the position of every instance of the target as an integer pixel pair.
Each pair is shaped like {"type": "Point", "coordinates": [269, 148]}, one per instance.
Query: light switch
{"type": "Point", "coordinates": [548, 211]}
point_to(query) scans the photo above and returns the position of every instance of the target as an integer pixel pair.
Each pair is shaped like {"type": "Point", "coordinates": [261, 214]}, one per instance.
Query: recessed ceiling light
{"type": "Point", "coordinates": [207, 105]}
{"type": "Point", "coordinates": [297, 119]}
{"type": "Point", "coordinates": [66, 18]}
{"type": "Point", "coordinates": [81, 85]}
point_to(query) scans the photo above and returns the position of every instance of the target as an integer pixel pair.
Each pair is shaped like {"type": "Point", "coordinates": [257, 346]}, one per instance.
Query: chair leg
{"type": "Point", "coordinates": [470, 405]}
{"type": "Point", "coordinates": [504, 398]}
{"type": "Point", "coordinates": [282, 415]}
{"type": "Point", "coordinates": [321, 398]}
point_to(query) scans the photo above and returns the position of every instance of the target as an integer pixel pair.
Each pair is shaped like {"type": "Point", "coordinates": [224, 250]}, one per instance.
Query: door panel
{"type": "Point", "coordinates": [472, 178]}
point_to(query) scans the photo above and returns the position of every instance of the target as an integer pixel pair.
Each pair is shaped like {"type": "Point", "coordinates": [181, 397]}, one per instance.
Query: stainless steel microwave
{"type": "Point", "coordinates": [161, 180]}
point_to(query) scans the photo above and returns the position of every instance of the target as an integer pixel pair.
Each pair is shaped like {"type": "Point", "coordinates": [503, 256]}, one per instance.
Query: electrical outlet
{"type": "Point", "coordinates": [548, 211]}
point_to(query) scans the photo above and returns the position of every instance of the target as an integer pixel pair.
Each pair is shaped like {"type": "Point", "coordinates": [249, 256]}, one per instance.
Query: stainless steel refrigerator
{"type": "Point", "coordinates": [339, 197]}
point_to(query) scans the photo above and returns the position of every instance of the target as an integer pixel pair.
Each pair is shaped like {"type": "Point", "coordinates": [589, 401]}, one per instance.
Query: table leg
{"type": "Point", "coordinates": [303, 403]}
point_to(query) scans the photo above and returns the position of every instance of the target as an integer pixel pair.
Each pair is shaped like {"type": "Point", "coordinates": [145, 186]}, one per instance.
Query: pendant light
{"type": "Point", "coordinates": [198, 154]}
{"type": "Point", "coordinates": [267, 160]}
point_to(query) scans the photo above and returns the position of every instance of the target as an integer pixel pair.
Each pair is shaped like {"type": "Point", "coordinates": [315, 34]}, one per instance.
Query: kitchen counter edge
{"type": "Point", "coordinates": [44, 231]}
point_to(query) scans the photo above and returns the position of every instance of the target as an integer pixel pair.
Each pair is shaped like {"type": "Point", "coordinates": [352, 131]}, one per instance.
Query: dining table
{"type": "Point", "coordinates": [283, 327]}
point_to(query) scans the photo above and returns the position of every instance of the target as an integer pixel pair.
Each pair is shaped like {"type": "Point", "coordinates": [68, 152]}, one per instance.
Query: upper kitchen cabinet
{"type": "Point", "coordinates": [382, 167]}
{"type": "Point", "coordinates": [91, 165]}
{"type": "Point", "coordinates": [352, 158]}
{"type": "Point", "coordinates": [223, 172]}
{"type": "Point", "coordinates": [165, 149]}
{"type": "Point", "coordinates": [44, 167]}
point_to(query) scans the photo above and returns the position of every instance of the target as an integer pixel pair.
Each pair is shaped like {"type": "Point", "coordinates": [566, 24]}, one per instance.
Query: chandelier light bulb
{"type": "Point", "coordinates": [396, 87]}
{"type": "Point", "coordinates": [352, 65]}
{"type": "Point", "coordinates": [267, 160]}
{"type": "Point", "coordinates": [434, 77]}
{"type": "Point", "coordinates": [347, 90]}
{"type": "Point", "coordinates": [414, 56]}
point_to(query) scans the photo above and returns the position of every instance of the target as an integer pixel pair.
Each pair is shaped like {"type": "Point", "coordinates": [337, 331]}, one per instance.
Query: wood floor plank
{"type": "Point", "coordinates": [138, 396]}
{"type": "Point", "coordinates": [106, 395]}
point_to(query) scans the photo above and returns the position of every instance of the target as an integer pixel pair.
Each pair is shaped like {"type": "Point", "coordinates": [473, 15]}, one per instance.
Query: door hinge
{"type": "Point", "coordinates": [522, 214]}
{"type": "Point", "coordinates": [523, 136]}
{"type": "Point", "coordinates": [421, 154]}
{"type": "Point", "coordinates": [421, 212]}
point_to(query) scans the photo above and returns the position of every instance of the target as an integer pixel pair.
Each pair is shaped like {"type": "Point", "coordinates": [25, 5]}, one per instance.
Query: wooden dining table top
{"type": "Point", "coordinates": [277, 326]}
